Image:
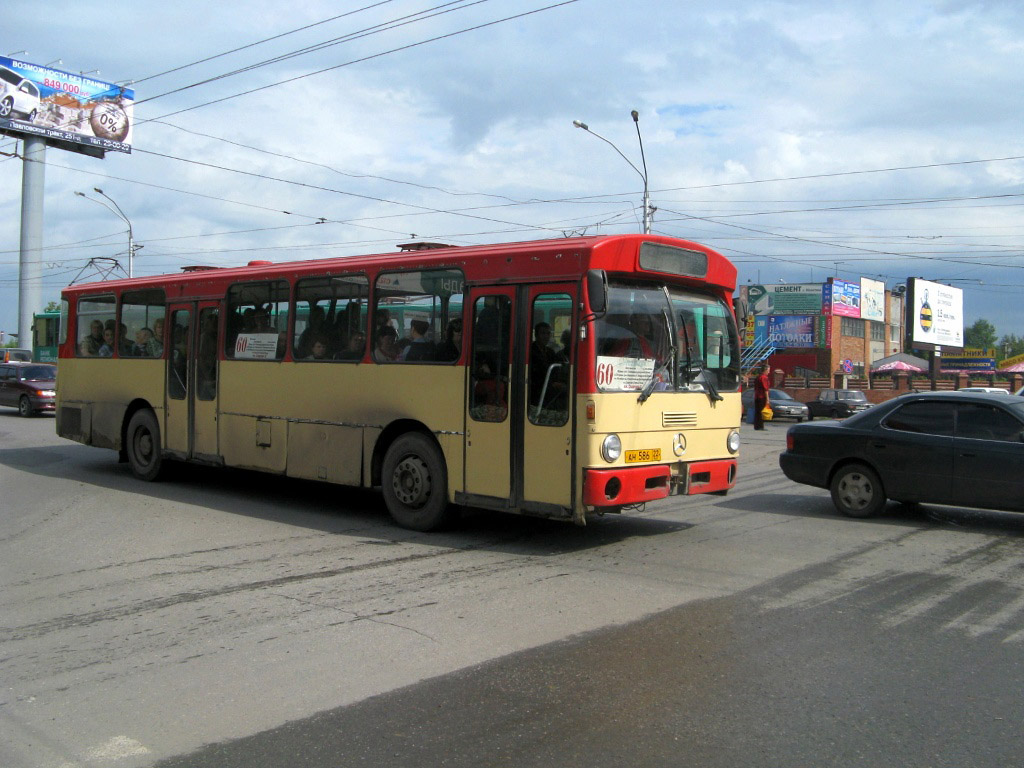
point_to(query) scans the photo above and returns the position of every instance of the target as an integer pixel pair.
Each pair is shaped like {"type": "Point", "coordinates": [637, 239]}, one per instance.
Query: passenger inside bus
{"type": "Point", "coordinates": [547, 365]}
{"type": "Point", "coordinates": [107, 350]}
{"type": "Point", "coordinates": [90, 345]}
{"type": "Point", "coordinates": [451, 348]}
{"type": "Point", "coordinates": [354, 349]}
{"type": "Point", "coordinates": [386, 349]}
{"type": "Point", "coordinates": [420, 347]}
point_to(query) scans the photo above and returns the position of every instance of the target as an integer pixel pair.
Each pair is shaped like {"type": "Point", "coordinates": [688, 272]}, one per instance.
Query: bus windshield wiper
{"type": "Point", "coordinates": [709, 387]}
{"type": "Point", "coordinates": [669, 365]}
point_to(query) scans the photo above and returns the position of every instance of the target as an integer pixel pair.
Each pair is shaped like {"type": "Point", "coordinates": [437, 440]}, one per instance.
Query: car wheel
{"type": "Point", "coordinates": [810, 415]}
{"type": "Point", "coordinates": [143, 445]}
{"type": "Point", "coordinates": [835, 413]}
{"type": "Point", "coordinates": [6, 107]}
{"type": "Point", "coordinates": [857, 491]}
{"type": "Point", "coordinates": [24, 407]}
{"type": "Point", "coordinates": [415, 483]}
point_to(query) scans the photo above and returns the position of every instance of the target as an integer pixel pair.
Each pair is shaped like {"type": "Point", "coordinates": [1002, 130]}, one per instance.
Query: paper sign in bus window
{"type": "Point", "coordinates": [256, 346]}
{"type": "Point", "coordinates": [624, 373]}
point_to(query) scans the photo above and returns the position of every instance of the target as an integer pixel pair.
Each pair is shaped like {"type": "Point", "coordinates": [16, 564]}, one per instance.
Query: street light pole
{"type": "Point", "coordinates": [642, 174]}
{"type": "Point", "coordinates": [118, 212]}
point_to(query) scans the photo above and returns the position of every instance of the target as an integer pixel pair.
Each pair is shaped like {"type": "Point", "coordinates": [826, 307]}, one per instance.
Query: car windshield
{"type": "Point", "coordinates": [778, 394]}
{"type": "Point", "coordinates": [856, 396]}
{"type": "Point", "coordinates": [635, 348]}
{"type": "Point", "coordinates": [39, 373]}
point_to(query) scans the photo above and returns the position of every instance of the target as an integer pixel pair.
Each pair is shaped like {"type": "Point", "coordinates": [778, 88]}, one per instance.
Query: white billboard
{"type": "Point", "coordinates": [938, 313]}
{"type": "Point", "coordinates": [66, 109]}
{"type": "Point", "coordinates": [872, 299]}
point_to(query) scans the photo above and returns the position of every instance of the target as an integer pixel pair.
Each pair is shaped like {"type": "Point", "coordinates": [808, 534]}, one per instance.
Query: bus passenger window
{"type": "Point", "coordinates": [141, 330]}
{"type": "Point", "coordinates": [96, 325]}
{"type": "Point", "coordinates": [257, 321]}
{"type": "Point", "coordinates": [330, 318]}
{"type": "Point", "coordinates": [420, 306]}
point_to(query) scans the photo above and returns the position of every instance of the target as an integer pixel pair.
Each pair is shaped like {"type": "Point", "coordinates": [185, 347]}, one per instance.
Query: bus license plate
{"type": "Point", "coordinates": [650, 454]}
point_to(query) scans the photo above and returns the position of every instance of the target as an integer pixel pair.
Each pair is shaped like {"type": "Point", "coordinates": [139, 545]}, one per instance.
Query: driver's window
{"type": "Point", "coordinates": [550, 356]}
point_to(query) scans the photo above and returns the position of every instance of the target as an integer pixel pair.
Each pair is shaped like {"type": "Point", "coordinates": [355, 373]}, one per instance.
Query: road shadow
{"type": "Point", "coordinates": [333, 509]}
{"type": "Point", "coordinates": [813, 504]}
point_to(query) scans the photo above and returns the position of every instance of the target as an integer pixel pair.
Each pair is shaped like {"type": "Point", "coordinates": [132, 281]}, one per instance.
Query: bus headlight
{"type": "Point", "coordinates": [611, 448]}
{"type": "Point", "coordinates": [733, 443]}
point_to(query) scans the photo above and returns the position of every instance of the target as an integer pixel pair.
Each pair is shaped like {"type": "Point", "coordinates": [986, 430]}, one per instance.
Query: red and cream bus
{"type": "Point", "coordinates": [557, 378]}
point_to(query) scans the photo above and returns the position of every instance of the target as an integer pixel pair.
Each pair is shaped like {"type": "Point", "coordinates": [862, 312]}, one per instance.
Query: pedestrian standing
{"type": "Point", "coordinates": [762, 386]}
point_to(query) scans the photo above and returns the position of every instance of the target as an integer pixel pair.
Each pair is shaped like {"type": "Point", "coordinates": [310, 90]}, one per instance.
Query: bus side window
{"type": "Point", "coordinates": [330, 318]}
{"type": "Point", "coordinates": [257, 321]}
{"type": "Point", "coordinates": [141, 329]}
{"type": "Point", "coordinates": [95, 318]}
{"type": "Point", "coordinates": [549, 384]}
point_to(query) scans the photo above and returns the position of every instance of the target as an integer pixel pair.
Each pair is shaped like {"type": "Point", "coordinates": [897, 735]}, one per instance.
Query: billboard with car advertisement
{"type": "Point", "coordinates": [64, 108]}
{"type": "Point", "coordinates": [872, 300]}
{"type": "Point", "coordinates": [935, 313]}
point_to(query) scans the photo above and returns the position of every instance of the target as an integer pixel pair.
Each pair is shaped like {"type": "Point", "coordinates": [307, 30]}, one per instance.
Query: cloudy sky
{"type": "Point", "coordinates": [800, 139]}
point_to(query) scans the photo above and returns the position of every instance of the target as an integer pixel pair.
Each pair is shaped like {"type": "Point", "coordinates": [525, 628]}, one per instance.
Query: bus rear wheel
{"type": "Point", "coordinates": [415, 483]}
{"type": "Point", "coordinates": [143, 445]}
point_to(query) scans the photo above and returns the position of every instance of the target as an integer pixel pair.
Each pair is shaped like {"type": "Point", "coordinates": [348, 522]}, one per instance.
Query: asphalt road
{"type": "Point", "coordinates": [226, 618]}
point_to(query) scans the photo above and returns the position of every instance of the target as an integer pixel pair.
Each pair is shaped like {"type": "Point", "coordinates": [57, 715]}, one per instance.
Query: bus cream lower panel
{"type": "Point", "coordinates": [325, 452]}
{"type": "Point", "coordinates": [488, 458]}
{"type": "Point", "coordinates": [104, 388]}
{"type": "Point", "coordinates": [250, 442]}
{"type": "Point", "coordinates": [547, 464]}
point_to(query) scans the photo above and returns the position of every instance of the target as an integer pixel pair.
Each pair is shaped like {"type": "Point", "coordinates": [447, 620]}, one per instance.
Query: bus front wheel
{"type": "Point", "coordinates": [415, 483]}
{"type": "Point", "coordinates": [143, 445]}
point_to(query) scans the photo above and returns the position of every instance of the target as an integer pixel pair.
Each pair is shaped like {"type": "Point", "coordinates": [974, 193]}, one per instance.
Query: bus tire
{"type": "Point", "coordinates": [142, 445]}
{"type": "Point", "coordinates": [415, 483]}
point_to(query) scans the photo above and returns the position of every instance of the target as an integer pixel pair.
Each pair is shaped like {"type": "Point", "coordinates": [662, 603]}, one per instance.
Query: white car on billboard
{"type": "Point", "coordinates": [17, 95]}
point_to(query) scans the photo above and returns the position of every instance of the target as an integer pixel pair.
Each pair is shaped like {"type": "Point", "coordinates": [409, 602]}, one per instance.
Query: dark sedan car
{"type": "Point", "coordinates": [29, 387]}
{"type": "Point", "coordinates": [783, 405]}
{"type": "Point", "coordinates": [838, 403]}
{"type": "Point", "coordinates": [955, 448]}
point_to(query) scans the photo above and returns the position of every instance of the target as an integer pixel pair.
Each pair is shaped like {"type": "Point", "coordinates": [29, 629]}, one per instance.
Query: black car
{"type": "Point", "coordinates": [838, 403]}
{"type": "Point", "coordinates": [29, 387]}
{"type": "Point", "coordinates": [783, 405]}
{"type": "Point", "coordinates": [954, 448]}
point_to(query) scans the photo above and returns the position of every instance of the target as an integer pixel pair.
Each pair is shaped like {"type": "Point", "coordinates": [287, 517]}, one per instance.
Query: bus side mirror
{"type": "Point", "coordinates": [597, 290]}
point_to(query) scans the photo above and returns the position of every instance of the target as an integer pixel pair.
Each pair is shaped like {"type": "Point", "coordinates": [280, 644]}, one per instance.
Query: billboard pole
{"type": "Point", "coordinates": [31, 256]}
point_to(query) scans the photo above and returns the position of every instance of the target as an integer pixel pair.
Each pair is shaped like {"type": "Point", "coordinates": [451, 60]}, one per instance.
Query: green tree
{"type": "Point", "coordinates": [1010, 345]}
{"type": "Point", "coordinates": [53, 306]}
{"type": "Point", "coordinates": [981, 334]}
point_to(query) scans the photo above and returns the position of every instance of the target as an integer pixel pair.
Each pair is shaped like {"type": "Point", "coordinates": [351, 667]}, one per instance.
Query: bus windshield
{"type": "Point", "coordinates": [635, 348]}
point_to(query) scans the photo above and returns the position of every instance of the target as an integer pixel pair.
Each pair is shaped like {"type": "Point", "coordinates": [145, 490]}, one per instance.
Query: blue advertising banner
{"type": "Point", "coordinates": [64, 107]}
{"type": "Point", "coordinates": [791, 330]}
{"type": "Point", "coordinates": [845, 298]}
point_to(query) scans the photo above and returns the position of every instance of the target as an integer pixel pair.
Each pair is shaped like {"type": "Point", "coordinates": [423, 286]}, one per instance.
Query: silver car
{"type": "Point", "coordinates": [17, 95]}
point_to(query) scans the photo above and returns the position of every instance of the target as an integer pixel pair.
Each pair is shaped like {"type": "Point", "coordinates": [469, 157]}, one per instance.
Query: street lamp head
{"type": "Point", "coordinates": [581, 124]}
{"type": "Point", "coordinates": [80, 194]}
{"type": "Point", "coordinates": [97, 189]}
{"type": "Point", "coordinates": [636, 116]}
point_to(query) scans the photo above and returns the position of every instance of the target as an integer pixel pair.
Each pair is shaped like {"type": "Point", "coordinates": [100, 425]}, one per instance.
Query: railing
{"type": "Point", "coordinates": [751, 356]}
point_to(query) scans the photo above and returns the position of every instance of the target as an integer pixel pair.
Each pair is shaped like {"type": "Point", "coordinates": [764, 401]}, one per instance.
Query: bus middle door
{"type": "Point", "coordinates": [191, 425]}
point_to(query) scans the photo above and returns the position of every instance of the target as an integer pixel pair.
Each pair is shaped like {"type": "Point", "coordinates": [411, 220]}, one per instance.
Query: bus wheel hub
{"type": "Point", "coordinates": [411, 481]}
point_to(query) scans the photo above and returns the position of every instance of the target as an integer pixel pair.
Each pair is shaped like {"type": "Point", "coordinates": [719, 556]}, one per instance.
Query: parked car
{"type": "Point", "coordinates": [961, 448]}
{"type": "Point", "coordinates": [29, 387]}
{"type": "Point", "coordinates": [17, 95]}
{"type": "Point", "coordinates": [838, 403]}
{"type": "Point", "coordinates": [783, 405]}
{"type": "Point", "coordinates": [10, 354]}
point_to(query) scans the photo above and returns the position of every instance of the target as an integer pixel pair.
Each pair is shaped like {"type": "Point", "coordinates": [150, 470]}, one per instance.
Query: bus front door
{"type": "Point", "coordinates": [519, 398]}
{"type": "Point", "coordinates": [191, 404]}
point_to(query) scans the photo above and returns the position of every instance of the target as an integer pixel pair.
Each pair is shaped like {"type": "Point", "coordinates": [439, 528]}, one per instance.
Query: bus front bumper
{"type": "Point", "coordinates": [623, 486]}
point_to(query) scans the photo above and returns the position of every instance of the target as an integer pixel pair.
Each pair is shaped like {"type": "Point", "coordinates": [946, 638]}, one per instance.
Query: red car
{"type": "Point", "coordinates": [29, 387]}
